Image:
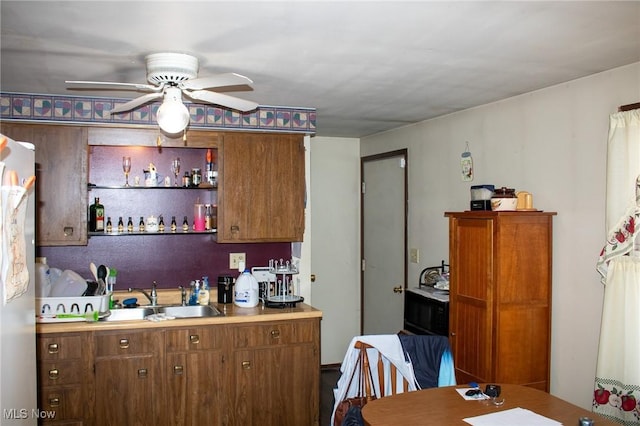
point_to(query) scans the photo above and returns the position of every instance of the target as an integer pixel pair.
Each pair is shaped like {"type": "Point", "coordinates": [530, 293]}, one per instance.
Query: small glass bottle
{"type": "Point", "coordinates": [207, 217]}
{"type": "Point", "coordinates": [161, 224]}
{"type": "Point", "coordinates": [109, 228]}
{"type": "Point", "coordinates": [186, 180]}
{"type": "Point", "coordinates": [130, 225]}
{"type": "Point", "coordinates": [185, 224]}
{"type": "Point", "coordinates": [196, 177]}
{"type": "Point", "coordinates": [174, 226]}
{"type": "Point", "coordinates": [120, 225]}
{"type": "Point", "coordinates": [141, 224]}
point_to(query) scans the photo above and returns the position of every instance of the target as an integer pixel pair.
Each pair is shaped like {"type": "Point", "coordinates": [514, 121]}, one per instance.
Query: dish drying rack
{"type": "Point", "coordinates": [429, 275]}
{"type": "Point", "coordinates": [283, 293]}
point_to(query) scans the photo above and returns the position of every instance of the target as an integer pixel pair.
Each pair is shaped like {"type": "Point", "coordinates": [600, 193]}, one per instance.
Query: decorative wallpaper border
{"type": "Point", "coordinates": [80, 109]}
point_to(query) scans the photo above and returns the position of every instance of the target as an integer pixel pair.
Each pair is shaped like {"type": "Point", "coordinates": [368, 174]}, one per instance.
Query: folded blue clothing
{"type": "Point", "coordinates": [431, 358]}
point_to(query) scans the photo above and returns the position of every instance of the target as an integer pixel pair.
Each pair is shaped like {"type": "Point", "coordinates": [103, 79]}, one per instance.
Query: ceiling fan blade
{"type": "Point", "coordinates": [112, 85]}
{"type": "Point", "coordinates": [221, 99]}
{"type": "Point", "coordinates": [219, 80]}
{"type": "Point", "coordinates": [127, 106]}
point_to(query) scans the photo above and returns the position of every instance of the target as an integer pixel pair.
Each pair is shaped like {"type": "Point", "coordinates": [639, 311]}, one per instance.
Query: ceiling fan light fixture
{"type": "Point", "coordinates": [173, 115]}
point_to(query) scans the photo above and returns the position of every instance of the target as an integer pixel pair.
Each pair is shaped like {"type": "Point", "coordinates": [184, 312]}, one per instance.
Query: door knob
{"type": "Point", "coordinates": [313, 278]}
{"type": "Point", "coordinates": [397, 289]}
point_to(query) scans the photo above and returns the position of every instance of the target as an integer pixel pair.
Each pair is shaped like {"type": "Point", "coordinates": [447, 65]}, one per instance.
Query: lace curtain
{"type": "Point", "coordinates": [617, 381]}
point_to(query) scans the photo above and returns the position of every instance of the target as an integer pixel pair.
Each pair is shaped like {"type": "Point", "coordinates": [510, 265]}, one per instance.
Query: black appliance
{"type": "Point", "coordinates": [426, 308]}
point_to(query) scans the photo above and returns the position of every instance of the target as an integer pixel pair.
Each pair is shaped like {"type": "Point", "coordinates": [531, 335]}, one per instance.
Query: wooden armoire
{"type": "Point", "coordinates": [500, 296]}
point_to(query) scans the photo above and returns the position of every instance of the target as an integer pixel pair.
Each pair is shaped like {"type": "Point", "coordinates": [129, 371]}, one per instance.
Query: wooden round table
{"type": "Point", "coordinates": [445, 406]}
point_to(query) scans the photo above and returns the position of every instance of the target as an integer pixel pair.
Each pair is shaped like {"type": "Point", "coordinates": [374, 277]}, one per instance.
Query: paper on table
{"type": "Point", "coordinates": [515, 416]}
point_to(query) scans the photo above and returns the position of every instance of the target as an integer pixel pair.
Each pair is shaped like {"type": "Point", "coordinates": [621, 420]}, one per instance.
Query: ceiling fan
{"type": "Point", "coordinates": [171, 75]}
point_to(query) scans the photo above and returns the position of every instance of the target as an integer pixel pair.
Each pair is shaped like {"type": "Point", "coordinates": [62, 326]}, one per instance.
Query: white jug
{"type": "Point", "coordinates": [245, 293]}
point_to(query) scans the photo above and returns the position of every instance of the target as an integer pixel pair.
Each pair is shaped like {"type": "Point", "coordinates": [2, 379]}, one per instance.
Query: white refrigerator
{"type": "Point", "coordinates": [18, 395]}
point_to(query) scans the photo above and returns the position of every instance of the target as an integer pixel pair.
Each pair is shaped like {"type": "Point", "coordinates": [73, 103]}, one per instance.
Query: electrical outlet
{"type": "Point", "coordinates": [414, 254]}
{"type": "Point", "coordinates": [236, 258]}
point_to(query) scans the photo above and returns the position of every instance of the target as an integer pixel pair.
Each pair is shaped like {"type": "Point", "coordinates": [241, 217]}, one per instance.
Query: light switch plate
{"type": "Point", "coordinates": [236, 258]}
{"type": "Point", "coordinates": [414, 254]}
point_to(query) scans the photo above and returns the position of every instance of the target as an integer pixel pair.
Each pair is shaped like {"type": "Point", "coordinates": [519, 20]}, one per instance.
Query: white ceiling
{"type": "Point", "coordinates": [365, 66]}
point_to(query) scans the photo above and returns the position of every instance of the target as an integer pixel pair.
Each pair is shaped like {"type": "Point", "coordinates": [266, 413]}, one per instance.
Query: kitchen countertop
{"type": "Point", "coordinates": [232, 315]}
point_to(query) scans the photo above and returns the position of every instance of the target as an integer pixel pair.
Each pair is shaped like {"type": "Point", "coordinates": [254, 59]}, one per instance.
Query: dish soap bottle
{"type": "Point", "coordinates": [203, 294]}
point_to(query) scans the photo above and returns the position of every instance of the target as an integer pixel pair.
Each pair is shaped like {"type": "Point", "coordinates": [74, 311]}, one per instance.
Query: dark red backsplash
{"type": "Point", "coordinates": [171, 260]}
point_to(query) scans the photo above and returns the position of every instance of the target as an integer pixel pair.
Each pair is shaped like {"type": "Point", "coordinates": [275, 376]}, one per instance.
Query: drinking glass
{"type": "Point", "coordinates": [126, 166]}
{"type": "Point", "coordinates": [175, 168]}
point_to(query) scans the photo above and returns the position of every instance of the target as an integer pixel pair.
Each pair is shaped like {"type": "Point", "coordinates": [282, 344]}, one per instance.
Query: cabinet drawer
{"type": "Point", "coordinates": [272, 334]}
{"type": "Point", "coordinates": [59, 347]}
{"type": "Point", "coordinates": [59, 373]}
{"type": "Point", "coordinates": [203, 338]}
{"type": "Point", "coordinates": [123, 343]}
{"type": "Point", "coordinates": [66, 402]}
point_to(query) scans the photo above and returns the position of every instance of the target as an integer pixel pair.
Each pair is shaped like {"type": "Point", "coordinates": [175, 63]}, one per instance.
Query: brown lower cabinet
{"type": "Point", "coordinates": [266, 373]}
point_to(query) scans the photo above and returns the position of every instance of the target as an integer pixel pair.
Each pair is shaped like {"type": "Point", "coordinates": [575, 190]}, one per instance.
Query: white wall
{"type": "Point", "coordinates": [335, 242]}
{"type": "Point", "coordinates": [551, 142]}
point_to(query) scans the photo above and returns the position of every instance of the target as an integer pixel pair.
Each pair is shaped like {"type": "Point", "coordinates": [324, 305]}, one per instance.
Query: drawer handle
{"type": "Point", "coordinates": [246, 365]}
{"type": "Point", "coordinates": [54, 374]}
{"type": "Point", "coordinates": [142, 373]}
{"type": "Point", "coordinates": [53, 348]}
{"type": "Point", "coordinates": [54, 402]}
{"type": "Point", "coordinates": [178, 370]}
{"type": "Point", "coordinates": [194, 338]}
{"type": "Point", "coordinates": [275, 334]}
{"type": "Point", "coordinates": [124, 343]}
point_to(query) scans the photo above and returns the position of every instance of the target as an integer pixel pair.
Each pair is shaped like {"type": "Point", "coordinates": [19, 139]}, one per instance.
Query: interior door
{"type": "Point", "coordinates": [384, 241]}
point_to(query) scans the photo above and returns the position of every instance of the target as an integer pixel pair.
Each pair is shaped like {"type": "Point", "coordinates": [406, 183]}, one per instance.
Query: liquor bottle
{"type": "Point", "coordinates": [96, 216]}
{"type": "Point", "coordinates": [130, 225]}
{"type": "Point", "coordinates": [174, 226]}
{"type": "Point", "coordinates": [109, 228]}
{"type": "Point", "coordinates": [141, 224]}
{"type": "Point", "coordinates": [120, 225]}
{"type": "Point", "coordinates": [185, 224]}
{"type": "Point", "coordinates": [209, 166]}
{"type": "Point", "coordinates": [161, 224]}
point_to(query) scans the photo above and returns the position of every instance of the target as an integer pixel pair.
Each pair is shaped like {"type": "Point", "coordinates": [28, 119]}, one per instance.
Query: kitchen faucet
{"type": "Point", "coordinates": [183, 293]}
{"type": "Point", "coordinates": [153, 299]}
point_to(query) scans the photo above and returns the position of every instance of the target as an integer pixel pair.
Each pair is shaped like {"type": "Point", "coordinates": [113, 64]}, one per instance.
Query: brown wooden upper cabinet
{"type": "Point", "coordinates": [261, 196]}
{"type": "Point", "coordinates": [61, 180]}
{"type": "Point", "coordinates": [261, 189]}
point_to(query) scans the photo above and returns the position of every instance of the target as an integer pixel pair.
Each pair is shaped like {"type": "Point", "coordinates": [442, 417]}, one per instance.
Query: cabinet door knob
{"type": "Point", "coordinates": [275, 334]}
{"type": "Point", "coordinates": [53, 348]}
{"type": "Point", "coordinates": [68, 231]}
{"type": "Point", "coordinates": [246, 365]}
{"type": "Point", "coordinates": [178, 370]}
{"type": "Point", "coordinates": [54, 374]}
{"type": "Point", "coordinates": [142, 373]}
{"type": "Point", "coordinates": [194, 338]}
{"type": "Point", "coordinates": [124, 343]}
{"type": "Point", "coordinates": [54, 402]}
{"type": "Point", "coordinates": [397, 289]}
